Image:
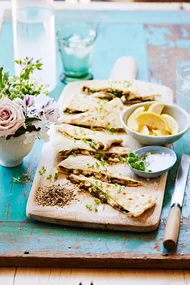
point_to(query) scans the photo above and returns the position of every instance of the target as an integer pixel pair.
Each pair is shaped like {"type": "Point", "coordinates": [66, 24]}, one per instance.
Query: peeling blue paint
{"type": "Point", "coordinates": [157, 36]}
{"type": "Point", "coordinates": [160, 37]}
{"type": "Point", "coordinates": [185, 33]}
{"type": "Point", "coordinates": [182, 43]}
{"type": "Point", "coordinates": [163, 58]}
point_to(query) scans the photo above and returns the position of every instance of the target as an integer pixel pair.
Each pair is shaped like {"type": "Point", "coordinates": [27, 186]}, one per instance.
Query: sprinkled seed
{"type": "Point", "coordinates": [55, 195]}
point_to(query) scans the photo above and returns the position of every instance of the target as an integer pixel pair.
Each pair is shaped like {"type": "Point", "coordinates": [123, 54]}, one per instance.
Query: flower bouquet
{"type": "Point", "coordinates": [26, 112]}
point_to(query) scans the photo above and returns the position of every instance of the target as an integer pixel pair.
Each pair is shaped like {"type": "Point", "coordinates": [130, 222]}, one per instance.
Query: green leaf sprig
{"type": "Point", "coordinates": [21, 85]}
{"type": "Point", "coordinates": [135, 162]}
{"type": "Point", "coordinates": [25, 177]}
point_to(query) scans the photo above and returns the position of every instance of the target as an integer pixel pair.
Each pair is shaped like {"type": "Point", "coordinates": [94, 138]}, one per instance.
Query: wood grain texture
{"type": "Point", "coordinates": [60, 276]}
{"type": "Point", "coordinates": [172, 228]}
{"type": "Point", "coordinates": [19, 234]}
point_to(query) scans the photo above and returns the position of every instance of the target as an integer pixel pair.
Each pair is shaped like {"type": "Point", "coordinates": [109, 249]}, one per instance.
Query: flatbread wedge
{"type": "Point", "coordinates": [65, 146]}
{"type": "Point", "coordinates": [119, 197]}
{"type": "Point", "coordinates": [96, 139]}
{"type": "Point", "coordinates": [107, 117]}
{"type": "Point", "coordinates": [129, 92]}
{"type": "Point", "coordinates": [90, 166]}
{"type": "Point", "coordinates": [79, 103]}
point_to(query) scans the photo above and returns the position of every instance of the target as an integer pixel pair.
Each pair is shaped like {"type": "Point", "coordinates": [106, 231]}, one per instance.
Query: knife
{"type": "Point", "coordinates": [173, 222]}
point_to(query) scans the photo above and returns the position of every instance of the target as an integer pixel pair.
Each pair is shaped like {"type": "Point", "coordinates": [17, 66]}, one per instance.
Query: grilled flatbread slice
{"type": "Point", "coordinates": [65, 146]}
{"type": "Point", "coordinates": [90, 166]}
{"type": "Point", "coordinates": [129, 92]}
{"type": "Point", "coordinates": [119, 197]}
{"type": "Point", "coordinates": [79, 103]}
{"type": "Point", "coordinates": [96, 139]}
{"type": "Point", "coordinates": [107, 117]}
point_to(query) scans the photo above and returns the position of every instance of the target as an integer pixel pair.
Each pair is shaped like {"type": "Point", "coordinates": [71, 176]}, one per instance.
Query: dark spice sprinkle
{"type": "Point", "coordinates": [55, 195]}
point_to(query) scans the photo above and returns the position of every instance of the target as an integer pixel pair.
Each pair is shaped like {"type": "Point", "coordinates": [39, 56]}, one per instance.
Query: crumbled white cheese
{"type": "Point", "coordinates": [158, 161]}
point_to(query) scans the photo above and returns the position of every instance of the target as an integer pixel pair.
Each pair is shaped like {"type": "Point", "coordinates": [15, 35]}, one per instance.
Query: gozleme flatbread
{"type": "Point", "coordinates": [88, 165]}
{"type": "Point", "coordinates": [79, 103]}
{"type": "Point", "coordinates": [129, 92]}
{"type": "Point", "coordinates": [65, 146]}
{"type": "Point", "coordinates": [119, 197]}
{"type": "Point", "coordinates": [107, 117]}
{"type": "Point", "coordinates": [96, 139]}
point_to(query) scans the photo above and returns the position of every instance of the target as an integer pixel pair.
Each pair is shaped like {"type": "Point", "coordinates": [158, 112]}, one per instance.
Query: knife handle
{"type": "Point", "coordinates": [172, 227]}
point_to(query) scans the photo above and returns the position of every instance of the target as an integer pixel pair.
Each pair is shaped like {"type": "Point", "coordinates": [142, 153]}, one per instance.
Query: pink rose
{"type": "Point", "coordinates": [11, 117]}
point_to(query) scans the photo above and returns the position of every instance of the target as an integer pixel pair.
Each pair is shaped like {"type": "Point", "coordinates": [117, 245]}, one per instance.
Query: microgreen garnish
{"type": "Point", "coordinates": [52, 178]}
{"type": "Point", "coordinates": [110, 128]}
{"type": "Point", "coordinates": [97, 165]}
{"type": "Point", "coordinates": [89, 207]}
{"type": "Point", "coordinates": [42, 171]}
{"type": "Point", "coordinates": [135, 162]}
{"type": "Point", "coordinates": [49, 177]}
{"type": "Point", "coordinates": [97, 155]}
{"type": "Point", "coordinates": [93, 144]}
{"type": "Point", "coordinates": [55, 176]}
{"type": "Point", "coordinates": [124, 83]}
{"type": "Point", "coordinates": [84, 140]}
{"type": "Point", "coordinates": [94, 206]}
{"type": "Point", "coordinates": [22, 179]}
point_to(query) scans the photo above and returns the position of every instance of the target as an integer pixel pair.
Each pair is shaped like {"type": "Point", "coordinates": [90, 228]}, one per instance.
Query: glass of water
{"type": "Point", "coordinates": [34, 36]}
{"type": "Point", "coordinates": [76, 43]}
{"type": "Point", "coordinates": [183, 86]}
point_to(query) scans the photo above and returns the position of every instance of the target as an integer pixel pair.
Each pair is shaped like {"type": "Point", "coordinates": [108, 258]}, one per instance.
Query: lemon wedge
{"type": "Point", "coordinates": [152, 120]}
{"type": "Point", "coordinates": [131, 122]}
{"type": "Point", "coordinates": [171, 122]}
{"type": "Point", "coordinates": [156, 108]}
{"type": "Point", "coordinates": [158, 133]}
{"type": "Point", "coordinates": [144, 130]}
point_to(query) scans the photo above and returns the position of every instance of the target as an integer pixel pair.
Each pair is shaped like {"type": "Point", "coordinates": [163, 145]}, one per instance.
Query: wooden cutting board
{"type": "Point", "coordinates": [76, 213]}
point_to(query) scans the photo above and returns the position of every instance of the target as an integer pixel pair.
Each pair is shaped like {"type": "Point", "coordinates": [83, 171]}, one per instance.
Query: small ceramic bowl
{"type": "Point", "coordinates": [179, 114]}
{"type": "Point", "coordinates": [154, 149]}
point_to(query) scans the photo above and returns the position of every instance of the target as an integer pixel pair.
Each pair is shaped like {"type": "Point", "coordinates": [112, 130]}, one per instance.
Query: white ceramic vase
{"type": "Point", "coordinates": [13, 151]}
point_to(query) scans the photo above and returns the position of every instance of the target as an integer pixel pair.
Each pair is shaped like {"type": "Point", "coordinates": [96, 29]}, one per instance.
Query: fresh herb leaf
{"type": "Point", "coordinates": [42, 171]}
{"type": "Point", "coordinates": [22, 179]}
{"type": "Point", "coordinates": [49, 177]}
{"type": "Point", "coordinates": [93, 144]}
{"type": "Point", "coordinates": [56, 176]}
{"type": "Point", "coordinates": [84, 140]}
{"type": "Point", "coordinates": [89, 207]}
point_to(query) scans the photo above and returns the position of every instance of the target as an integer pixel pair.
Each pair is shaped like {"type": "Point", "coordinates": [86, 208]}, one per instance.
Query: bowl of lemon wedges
{"type": "Point", "coordinates": [155, 123]}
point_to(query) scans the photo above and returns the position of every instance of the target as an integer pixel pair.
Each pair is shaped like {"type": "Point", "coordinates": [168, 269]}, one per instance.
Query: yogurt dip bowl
{"type": "Point", "coordinates": [179, 114]}
{"type": "Point", "coordinates": [155, 150]}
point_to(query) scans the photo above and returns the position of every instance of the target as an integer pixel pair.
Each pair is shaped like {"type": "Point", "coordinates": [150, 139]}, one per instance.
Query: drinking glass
{"type": "Point", "coordinates": [76, 43]}
{"type": "Point", "coordinates": [34, 36]}
{"type": "Point", "coordinates": [183, 86]}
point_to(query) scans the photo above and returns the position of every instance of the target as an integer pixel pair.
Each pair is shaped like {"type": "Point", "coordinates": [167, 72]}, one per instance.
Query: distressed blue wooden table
{"type": "Point", "coordinates": [159, 41]}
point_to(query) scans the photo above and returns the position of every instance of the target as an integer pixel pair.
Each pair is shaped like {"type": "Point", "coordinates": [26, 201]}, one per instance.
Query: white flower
{"type": "Point", "coordinates": [29, 136]}
{"type": "Point", "coordinates": [42, 134]}
{"type": "Point", "coordinates": [47, 108]}
{"type": "Point", "coordinates": [42, 108]}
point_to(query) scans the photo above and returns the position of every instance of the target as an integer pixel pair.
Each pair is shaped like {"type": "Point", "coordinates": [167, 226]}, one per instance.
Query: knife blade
{"type": "Point", "coordinates": [181, 179]}
{"type": "Point", "coordinates": [173, 222]}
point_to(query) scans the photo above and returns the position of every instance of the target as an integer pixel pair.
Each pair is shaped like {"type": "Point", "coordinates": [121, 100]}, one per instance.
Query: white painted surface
{"type": "Point", "coordinates": [58, 276]}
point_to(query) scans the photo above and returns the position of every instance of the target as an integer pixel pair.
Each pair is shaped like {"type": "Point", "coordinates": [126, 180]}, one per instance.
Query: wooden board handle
{"type": "Point", "coordinates": [125, 68]}
{"type": "Point", "coordinates": [172, 228]}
